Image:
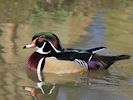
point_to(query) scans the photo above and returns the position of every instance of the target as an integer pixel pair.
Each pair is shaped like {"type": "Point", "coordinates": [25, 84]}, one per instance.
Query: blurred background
{"type": "Point", "coordinates": [78, 24]}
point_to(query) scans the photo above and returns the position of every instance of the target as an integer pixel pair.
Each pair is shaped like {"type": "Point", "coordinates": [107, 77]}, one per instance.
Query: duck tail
{"type": "Point", "coordinates": [122, 57]}
{"type": "Point", "coordinates": [107, 61]}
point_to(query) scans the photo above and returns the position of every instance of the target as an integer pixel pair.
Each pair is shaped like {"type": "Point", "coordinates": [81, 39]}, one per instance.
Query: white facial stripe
{"type": "Point", "coordinates": [40, 50]}
{"type": "Point", "coordinates": [57, 51]}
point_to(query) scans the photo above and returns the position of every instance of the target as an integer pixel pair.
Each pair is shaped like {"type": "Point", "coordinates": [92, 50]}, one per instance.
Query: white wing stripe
{"type": "Point", "coordinates": [82, 63]}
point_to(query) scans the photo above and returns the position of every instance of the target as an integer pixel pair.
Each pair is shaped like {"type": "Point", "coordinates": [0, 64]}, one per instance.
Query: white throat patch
{"type": "Point", "coordinates": [40, 50]}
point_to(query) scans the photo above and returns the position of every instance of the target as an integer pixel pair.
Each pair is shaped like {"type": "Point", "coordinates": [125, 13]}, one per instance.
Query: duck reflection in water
{"type": "Point", "coordinates": [41, 88]}
{"type": "Point", "coordinates": [50, 86]}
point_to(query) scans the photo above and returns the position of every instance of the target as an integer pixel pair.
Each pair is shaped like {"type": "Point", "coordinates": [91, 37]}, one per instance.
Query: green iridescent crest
{"type": "Point", "coordinates": [43, 34]}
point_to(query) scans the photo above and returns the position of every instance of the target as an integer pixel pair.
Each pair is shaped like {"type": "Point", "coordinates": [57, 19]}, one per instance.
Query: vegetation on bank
{"type": "Point", "coordinates": [20, 11]}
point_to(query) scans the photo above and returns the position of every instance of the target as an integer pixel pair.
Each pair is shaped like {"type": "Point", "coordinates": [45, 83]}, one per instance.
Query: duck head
{"type": "Point", "coordinates": [45, 42]}
{"type": "Point", "coordinates": [40, 90]}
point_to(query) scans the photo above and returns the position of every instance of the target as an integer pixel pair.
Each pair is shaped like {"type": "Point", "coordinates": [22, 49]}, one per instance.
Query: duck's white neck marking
{"type": "Point", "coordinates": [57, 51]}
{"type": "Point", "coordinates": [39, 69]}
{"type": "Point", "coordinates": [40, 50]}
{"type": "Point", "coordinates": [40, 86]}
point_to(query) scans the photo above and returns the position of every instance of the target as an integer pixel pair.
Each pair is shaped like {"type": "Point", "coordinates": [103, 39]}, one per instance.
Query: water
{"type": "Point", "coordinates": [108, 27]}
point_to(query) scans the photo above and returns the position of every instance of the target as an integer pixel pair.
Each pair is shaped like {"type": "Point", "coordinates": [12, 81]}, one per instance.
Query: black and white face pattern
{"type": "Point", "coordinates": [45, 42]}
{"type": "Point", "coordinates": [44, 46]}
{"type": "Point", "coordinates": [43, 49]}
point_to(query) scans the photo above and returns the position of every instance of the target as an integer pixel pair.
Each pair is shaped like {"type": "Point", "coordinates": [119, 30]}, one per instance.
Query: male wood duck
{"type": "Point", "coordinates": [51, 57]}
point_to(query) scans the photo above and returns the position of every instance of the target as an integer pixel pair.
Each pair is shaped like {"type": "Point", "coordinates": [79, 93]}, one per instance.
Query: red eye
{"type": "Point", "coordinates": [40, 39]}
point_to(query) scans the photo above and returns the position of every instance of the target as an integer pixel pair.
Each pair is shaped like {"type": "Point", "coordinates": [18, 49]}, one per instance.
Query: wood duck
{"type": "Point", "coordinates": [51, 57]}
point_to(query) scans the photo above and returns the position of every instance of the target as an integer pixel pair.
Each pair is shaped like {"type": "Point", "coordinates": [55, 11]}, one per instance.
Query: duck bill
{"type": "Point", "coordinates": [32, 45]}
